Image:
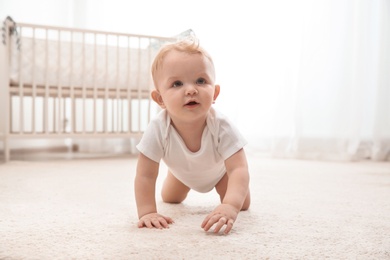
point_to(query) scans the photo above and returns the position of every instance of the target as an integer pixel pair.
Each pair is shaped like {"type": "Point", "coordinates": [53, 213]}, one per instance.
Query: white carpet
{"type": "Point", "coordinates": [85, 209]}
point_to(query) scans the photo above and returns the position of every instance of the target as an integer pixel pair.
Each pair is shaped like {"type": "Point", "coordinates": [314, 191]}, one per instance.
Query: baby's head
{"type": "Point", "coordinates": [188, 46]}
{"type": "Point", "coordinates": [184, 79]}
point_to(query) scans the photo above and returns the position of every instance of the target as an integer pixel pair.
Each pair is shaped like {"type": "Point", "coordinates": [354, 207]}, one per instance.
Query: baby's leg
{"type": "Point", "coordinates": [221, 188]}
{"type": "Point", "coordinates": [173, 190]}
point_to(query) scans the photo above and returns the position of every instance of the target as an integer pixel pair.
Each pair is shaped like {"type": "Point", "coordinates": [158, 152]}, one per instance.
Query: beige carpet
{"type": "Point", "coordinates": [85, 209]}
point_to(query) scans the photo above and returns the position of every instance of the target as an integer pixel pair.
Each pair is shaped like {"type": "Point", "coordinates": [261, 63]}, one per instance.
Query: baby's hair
{"type": "Point", "coordinates": [189, 45]}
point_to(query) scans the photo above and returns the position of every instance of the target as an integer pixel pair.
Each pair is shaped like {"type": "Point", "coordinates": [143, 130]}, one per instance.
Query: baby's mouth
{"type": "Point", "coordinates": [191, 103]}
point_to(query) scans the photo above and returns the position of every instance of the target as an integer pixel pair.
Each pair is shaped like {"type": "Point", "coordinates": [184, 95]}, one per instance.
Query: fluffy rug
{"type": "Point", "coordinates": [85, 209]}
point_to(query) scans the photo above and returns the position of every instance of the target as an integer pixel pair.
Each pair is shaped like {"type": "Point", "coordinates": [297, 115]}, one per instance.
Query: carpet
{"type": "Point", "coordinates": [85, 209]}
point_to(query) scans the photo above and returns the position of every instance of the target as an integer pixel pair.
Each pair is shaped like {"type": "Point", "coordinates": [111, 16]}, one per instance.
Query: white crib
{"type": "Point", "coordinates": [70, 83]}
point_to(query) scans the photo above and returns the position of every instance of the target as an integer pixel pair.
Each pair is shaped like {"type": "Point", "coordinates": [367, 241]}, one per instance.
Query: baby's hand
{"type": "Point", "coordinates": [224, 214]}
{"type": "Point", "coordinates": [154, 220]}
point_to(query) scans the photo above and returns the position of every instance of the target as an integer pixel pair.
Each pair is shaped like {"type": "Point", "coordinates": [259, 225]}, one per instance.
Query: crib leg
{"type": "Point", "coordinates": [6, 150]}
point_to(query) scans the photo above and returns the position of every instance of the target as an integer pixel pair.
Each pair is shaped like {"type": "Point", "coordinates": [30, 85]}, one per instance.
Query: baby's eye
{"type": "Point", "coordinates": [177, 84]}
{"type": "Point", "coordinates": [200, 81]}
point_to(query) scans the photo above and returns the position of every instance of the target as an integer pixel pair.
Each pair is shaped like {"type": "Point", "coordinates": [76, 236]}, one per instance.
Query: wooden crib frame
{"type": "Point", "coordinates": [108, 96]}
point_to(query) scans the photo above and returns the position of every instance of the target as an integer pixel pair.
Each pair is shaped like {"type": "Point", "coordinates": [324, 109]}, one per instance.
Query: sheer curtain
{"type": "Point", "coordinates": [301, 79]}
{"type": "Point", "coordinates": [334, 99]}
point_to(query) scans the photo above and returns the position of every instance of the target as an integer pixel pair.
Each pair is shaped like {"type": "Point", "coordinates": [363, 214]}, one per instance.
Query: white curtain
{"type": "Point", "coordinates": [303, 79]}
{"type": "Point", "coordinates": [330, 97]}
{"type": "Point", "coordinates": [335, 103]}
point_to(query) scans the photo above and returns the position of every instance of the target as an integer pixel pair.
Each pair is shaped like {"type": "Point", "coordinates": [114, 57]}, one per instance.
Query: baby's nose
{"type": "Point", "coordinates": [191, 90]}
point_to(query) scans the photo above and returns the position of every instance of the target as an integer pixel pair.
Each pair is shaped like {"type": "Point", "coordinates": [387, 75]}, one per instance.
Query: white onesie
{"type": "Point", "coordinates": [200, 170]}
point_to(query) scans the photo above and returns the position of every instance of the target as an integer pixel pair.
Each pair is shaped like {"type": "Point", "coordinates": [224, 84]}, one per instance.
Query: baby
{"type": "Point", "coordinates": [201, 148]}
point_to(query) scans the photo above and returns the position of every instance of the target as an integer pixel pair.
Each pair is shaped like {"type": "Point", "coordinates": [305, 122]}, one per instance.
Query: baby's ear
{"type": "Point", "coordinates": [217, 89]}
{"type": "Point", "coordinates": [156, 96]}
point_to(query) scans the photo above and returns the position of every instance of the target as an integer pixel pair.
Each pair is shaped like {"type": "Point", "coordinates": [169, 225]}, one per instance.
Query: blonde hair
{"type": "Point", "coordinates": [188, 45]}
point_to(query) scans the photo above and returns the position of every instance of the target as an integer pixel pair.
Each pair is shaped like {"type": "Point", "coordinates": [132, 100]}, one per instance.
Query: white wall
{"type": "Point", "coordinates": [55, 12]}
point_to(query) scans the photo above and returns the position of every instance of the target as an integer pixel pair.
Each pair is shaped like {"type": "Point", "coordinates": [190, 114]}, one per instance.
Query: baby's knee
{"type": "Point", "coordinates": [173, 190]}
{"type": "Point", "coordinates": [172, 200]}
{"type": "Point", "coordinates": [172, 197]}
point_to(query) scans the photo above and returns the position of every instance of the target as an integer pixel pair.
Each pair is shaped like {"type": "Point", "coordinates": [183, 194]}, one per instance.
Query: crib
{"type": "Point", "coordinates": [61, 82]}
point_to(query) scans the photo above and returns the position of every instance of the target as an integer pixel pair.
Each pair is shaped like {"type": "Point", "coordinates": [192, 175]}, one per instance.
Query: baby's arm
{"type": "Point", "coordinates": [236, 193]}
{"type": "Point", "coordinates": [145, 190]}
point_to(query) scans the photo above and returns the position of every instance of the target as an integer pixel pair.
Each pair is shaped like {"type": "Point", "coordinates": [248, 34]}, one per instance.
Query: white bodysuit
{"type": "Point", "coordinates": [200, 170]}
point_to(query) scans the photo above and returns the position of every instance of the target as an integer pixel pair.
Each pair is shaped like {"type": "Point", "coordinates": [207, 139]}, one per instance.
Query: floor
{"type": "Point", "coordinates": [75, 206]}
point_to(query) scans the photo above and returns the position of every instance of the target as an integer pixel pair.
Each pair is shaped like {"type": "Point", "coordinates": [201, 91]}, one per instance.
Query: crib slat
{"type": "Point", "coordinates": [72, 96]}
{"type": "Point", "coordinates": [83, 83]}
{"type": "Point", "coordinates": [129, 99]}
{"type": "Point", "coordinates": [46, 98]}
{"type": "Point", "coordinates": [118, 115]}
{"type": "Point", "coordinates": [33, 84]}
{"type": "Point", "coordinates": [149, 82]}
{"type": "Point", "coordinates": [94, 84]}
{"type": "Point", "coordinates": [21, 98]}
{"type": "Point", "coordinates": [105, 101]}
{"type": "Point", "coordinates": [138, 85]}
{"type": "Point", "coordinates": [57, 127]}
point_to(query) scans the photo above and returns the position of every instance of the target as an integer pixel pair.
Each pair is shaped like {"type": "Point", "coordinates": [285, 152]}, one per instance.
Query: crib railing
{"type": "Point", "coordinates": [65, 82]}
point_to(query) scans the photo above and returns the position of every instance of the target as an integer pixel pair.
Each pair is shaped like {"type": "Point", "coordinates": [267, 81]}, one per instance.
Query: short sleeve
{"type": "Point", "coordinates": [230, 140]}
{"type": "Point", "coordinates": [151, 144]}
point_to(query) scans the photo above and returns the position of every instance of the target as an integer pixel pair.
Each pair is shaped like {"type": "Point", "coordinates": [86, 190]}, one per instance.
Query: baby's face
{"type": "Point", "coordinates": [186, 85]}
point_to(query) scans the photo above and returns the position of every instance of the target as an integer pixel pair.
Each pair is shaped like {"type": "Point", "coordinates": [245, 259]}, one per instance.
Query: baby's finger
{"type": "Point", "coordinates": [221, 222]}
{"type": "Point", "coordinates": [169, 220]}
{"type": "Point", "coordinates": [141, 224]}
{"type": "Point", "coordinates": [205, 221]}
{"type": "Point", "coordinates": [229, 226]}
{"type": "Point", "coordinates": [165, 222]}
{"type": "Point", "coordinates": [211, 221]}
{"type": "Point", "coordinates": [156, 223]}
{"type": "Point", "coordinates": [145, 223]}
